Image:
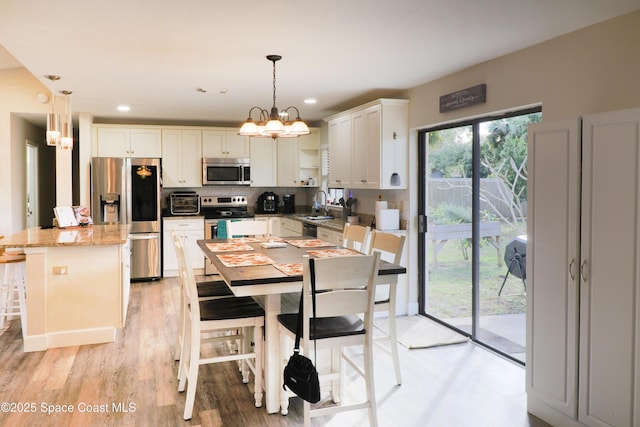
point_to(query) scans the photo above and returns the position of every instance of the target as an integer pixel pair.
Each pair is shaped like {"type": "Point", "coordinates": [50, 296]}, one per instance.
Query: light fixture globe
{"type": "Point", "coordinates": [273, 125]}
{"type": "Point", "coordinates": [249, 128]}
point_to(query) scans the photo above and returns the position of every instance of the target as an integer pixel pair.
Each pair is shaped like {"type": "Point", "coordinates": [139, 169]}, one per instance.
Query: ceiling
{"type": "Point", "coordinates": [153, 55]}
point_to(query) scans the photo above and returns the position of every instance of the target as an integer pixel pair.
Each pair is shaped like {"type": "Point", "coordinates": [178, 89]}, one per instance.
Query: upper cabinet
{"type": "Point", "coordinates": [181, 158]}
{"type": "Point", "coordinates": [286, 162]}
{"type": "Point", "coordinates": [224, 143]}
{"type": "Point", "coordinates": [263, 163]}
{"type": "Point", "coordinates": [368, 146]}
{"type": "Point", "coordinates": [119, 141]}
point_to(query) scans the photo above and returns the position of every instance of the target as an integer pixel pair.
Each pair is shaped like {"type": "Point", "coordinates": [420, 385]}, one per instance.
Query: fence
{"type": "Point", "coordinates": [457, 191]}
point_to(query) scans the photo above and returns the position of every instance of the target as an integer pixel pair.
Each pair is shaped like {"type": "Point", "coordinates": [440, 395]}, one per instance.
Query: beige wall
{"type": "Point", "coordinates": [591, 70]}
{"type": "Point", "coordinates": [18, 92]}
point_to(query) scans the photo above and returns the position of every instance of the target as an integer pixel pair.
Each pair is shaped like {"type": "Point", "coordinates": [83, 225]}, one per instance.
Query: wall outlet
{"type": "Point", "coordinates": [60, 270]}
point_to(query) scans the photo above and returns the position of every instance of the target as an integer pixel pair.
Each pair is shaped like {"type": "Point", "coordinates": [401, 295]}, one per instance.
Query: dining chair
{"type": "Point", "coordinates": [343, 288]}
{"type": "Point", "coordinates": [12, 289]}
{"type": "Point", "coordinates": [210, 289]}
{"type": "Point", "coordinates": [390, 247]}
{"type": "Point", "coordinates": [356, 237]}
{"type": "Point", "coordinates": [247, 228]}
{"type": "Point", "coordinates": [216, 315]}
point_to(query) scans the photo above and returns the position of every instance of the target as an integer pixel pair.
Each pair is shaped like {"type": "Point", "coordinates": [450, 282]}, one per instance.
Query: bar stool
{"type": "Point", "coordinates": [12, 290]}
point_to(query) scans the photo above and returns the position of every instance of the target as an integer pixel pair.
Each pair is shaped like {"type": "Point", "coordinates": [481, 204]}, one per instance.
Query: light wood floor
{"type": "Point", "coordinates": [458, 385]}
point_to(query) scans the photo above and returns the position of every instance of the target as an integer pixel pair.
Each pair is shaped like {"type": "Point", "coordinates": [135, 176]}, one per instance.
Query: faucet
{"type": "Point", "coordinates": [323, 202]}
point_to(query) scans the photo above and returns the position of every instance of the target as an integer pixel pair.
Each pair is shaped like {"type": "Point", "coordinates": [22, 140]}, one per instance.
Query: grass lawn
{"type": "Point", "coordinates": [449, 286]}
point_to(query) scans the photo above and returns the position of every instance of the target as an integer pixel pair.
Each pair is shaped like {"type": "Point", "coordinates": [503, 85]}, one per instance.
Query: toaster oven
{"type": "Point", "coordinates": [184, 203]}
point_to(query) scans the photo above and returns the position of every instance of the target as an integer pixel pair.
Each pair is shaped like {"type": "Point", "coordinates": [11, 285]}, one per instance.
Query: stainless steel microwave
{"type": "Point", "coordinates": [226, 171]}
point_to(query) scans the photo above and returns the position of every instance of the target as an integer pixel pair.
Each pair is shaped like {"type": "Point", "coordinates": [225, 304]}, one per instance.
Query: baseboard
{"type": "Point", "coordinates": [69, 338]}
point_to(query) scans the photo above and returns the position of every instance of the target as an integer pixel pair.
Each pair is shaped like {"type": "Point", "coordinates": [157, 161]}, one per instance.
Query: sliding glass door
{"type": "Point", "coordinates": [473, 242]}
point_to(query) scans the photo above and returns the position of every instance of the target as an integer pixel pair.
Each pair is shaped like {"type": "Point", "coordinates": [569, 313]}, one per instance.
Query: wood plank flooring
{"type": "Point", "coordinates": [132, 382]}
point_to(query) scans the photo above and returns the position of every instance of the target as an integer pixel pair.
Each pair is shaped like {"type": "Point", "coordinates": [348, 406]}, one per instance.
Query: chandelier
{"type": "Point", "coordinates": [274, 125]}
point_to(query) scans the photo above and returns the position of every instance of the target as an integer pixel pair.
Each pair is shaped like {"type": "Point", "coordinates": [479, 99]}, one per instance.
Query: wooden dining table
{"type": "Point", "coordinates": [249, 269]}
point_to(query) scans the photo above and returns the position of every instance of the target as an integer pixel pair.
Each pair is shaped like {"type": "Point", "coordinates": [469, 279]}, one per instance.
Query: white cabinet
{"type": "Point", "coordinates": [365, 150]}
{"type": "Point", "coordinates": [583, 293]}
{"type": "Point", "coordinates": [287, 162]}
{"type": "Point", "coordinates": [181, 158]}
{"type": "Point", "coordinates": [118, 141]}
{"type": "Point", "coordinates": [369, 144]}
{"type": "Point", "coordinates": [190, 231]}
{"type": "Point", "coordinates": [224, 143]}
{"type": "Point", "coordinates": [329, 235]}
{"type": "Point", "coordinates": [340, 151]}
{"type": "Point", "coordinates": [291, 228]}
{"type": "Point", "coordinates": [263, 162]}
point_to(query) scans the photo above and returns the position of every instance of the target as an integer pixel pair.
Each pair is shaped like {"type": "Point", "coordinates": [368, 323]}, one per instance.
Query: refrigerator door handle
{"type": "Point", "coordinates": [145, 236]}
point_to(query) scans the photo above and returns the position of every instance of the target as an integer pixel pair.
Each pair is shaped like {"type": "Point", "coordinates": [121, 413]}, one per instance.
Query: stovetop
{"type": "Point", "coordinates": [216, 207]}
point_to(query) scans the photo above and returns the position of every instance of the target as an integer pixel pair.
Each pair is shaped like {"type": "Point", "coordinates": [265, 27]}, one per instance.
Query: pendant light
{"type": "Point", "coordinates": [53, 119]}
{"type": "Point", "coordinates": [273, 124]}
{"type": "Point", "coordinates": [66, 140]}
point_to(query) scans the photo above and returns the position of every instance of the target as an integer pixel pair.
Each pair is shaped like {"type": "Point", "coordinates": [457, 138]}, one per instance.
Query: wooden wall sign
{"type": "Point", "coordinates": [463, 98]}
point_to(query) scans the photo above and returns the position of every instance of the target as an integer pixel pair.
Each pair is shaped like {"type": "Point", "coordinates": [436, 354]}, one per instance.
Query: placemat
{"type": "Point", "coordinates": [294, 269]}
{"type": "Point", "coordinates": [309, 243]}
{"type": "Point", "coordinates": [258, 239]}
{"type": "Point", "coordinates": [329, 253]}
{"type": "Point", "coordinates": [230, 246]}
{"type": "Point", "coordinates": [245, 260]}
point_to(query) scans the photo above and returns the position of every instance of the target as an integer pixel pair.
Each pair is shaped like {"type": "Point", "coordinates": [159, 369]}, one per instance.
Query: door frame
{"type": "Point", "coordinates": [475, 227]}
{"type": "Point", "coordinates": [31, 187]}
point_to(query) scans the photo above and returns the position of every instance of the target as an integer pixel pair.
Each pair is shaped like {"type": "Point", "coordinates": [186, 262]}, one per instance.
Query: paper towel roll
{"type": "Point", "coordinates": [382, 205]}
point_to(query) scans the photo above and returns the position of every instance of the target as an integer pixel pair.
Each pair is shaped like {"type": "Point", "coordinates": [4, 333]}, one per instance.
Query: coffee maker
{"type": "Point", "coordinates": [267, 203]}
{"type": "Point", "coordinates": [289, 201]}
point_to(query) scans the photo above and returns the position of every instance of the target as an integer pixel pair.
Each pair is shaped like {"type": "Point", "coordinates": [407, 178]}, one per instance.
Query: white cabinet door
{"type": "Point", "coordinates": [224, 143]}
{"type": "Point", "coordinates": [181, 158]}
{"type": "Point", "coordinates": [112, 142]}
{"type": "Point", "coordinates": [237, 145]}
{"type": "Point", "coordinates": [189, 231]}
{"type": "Point", "coordinates": [610, 251]}
{"type": "Point", "coordinates": [329, 236]}
{"type": "Point", "coordinates": [340, 152]}
{"type": "Point", "coordinates": [145, 143]}
{"type": "Point", "coordinates": [288, 170]}
{"type": "Point", "coordinates": [129, 142]}
{"type": "Point", "coordinates": [291, 227]}
{"type": "Point", "coordinates": [263, 162]}
{"type": "Point", "coordinates": [553, 254]}
{"type": "Point", "coordinates": [365, 154]}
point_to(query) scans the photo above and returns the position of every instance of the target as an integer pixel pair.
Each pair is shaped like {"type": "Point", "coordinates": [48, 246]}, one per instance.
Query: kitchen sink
{"type": "Point", "coordinates": [318, 217]}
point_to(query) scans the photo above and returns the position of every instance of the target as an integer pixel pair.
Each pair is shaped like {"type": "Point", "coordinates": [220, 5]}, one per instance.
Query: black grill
{"type": "Point", "coordinates": [515, 256]}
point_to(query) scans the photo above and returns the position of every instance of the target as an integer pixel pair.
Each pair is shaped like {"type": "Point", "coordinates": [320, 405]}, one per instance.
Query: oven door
{"type": "Point", "coordinates": [210, 232]}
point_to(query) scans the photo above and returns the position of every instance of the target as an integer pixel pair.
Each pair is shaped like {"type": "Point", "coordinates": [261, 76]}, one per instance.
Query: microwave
{"type": "Point", "coordinates": [226, 171]}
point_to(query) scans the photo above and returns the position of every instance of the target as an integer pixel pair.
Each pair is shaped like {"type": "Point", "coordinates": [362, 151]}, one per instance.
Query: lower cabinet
{"type": "Point", "coordinates": [330, 236]}
{"type": "Point", "coordinates": [583, 280]}
{"type": "Point", "coordinates": [190, 231]}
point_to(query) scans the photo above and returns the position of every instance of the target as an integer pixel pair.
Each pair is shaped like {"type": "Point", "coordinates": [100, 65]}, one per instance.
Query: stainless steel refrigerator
{"type": "Point", "coordinates": [128, 191]}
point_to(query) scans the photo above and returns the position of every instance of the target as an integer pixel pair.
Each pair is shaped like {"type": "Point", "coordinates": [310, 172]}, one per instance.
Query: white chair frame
{"type": "Point", "coordinates": [344, 286]}
{"type": "Point", "coordinates": [356, 237]}
{"type": "Point", "coordinates": [391, 247]}
{"type": "Point", "coordinates": [191, 357]}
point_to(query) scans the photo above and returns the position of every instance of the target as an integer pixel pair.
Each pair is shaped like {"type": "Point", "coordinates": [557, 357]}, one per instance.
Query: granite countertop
{"type": "Point", "coordinates": [71, 236]}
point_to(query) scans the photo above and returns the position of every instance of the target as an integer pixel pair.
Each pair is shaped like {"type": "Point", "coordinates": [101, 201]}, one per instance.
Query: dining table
{"type": "Point", "coordinates": [269, 267]}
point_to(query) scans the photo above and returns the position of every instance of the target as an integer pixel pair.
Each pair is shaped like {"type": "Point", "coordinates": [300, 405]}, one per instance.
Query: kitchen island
{"type": "Point", "coordinates": [77, 284]}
